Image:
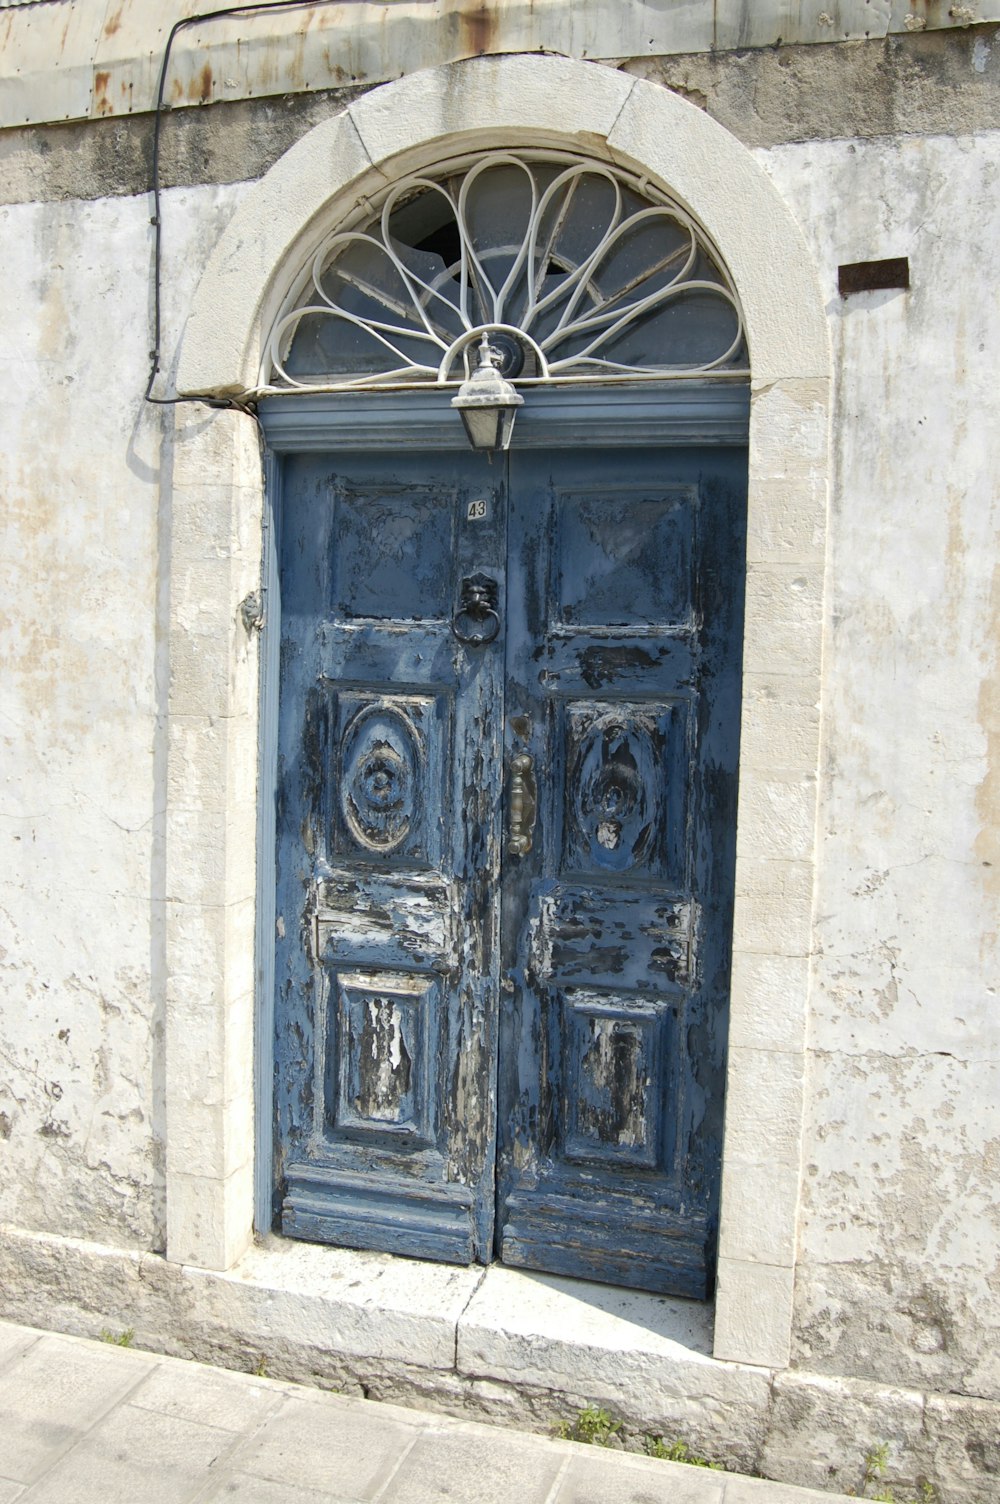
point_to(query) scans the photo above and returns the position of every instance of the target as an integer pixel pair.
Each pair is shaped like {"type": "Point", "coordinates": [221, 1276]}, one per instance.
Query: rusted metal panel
{"type": "Point", "coordinates": [743, 23]}
{"type": "Point", "coordinates": [95, 58]}
{"type": "Point", "coordinates": [46, 62]}
{"type": "Point", "coordinates": [936, 15]}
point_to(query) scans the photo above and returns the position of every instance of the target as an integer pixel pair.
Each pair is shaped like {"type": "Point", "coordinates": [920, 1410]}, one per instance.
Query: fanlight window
{"type": "Point", "coordinates": [578, 272]}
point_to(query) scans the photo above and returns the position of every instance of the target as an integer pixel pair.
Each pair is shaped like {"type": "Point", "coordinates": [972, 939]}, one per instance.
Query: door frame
{"type": "Point", "coordinates": [671, 415]}
{"type": "Point", "coordinates": [213, 527]}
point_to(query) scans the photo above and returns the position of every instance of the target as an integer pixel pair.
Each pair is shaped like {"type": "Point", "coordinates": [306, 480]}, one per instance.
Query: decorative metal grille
{"type": "Point", "coordinates": [577, 270]}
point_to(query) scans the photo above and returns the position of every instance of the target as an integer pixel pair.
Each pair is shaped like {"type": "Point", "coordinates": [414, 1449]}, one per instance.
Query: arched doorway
{"type": "Point", "coordinates": [215, 492]}
{"type": "Point", "coordinates": [508, 727]}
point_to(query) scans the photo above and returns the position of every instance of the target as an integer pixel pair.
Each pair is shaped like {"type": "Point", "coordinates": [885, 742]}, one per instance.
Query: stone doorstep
{"type": "Point", "coordinates": [495, 1324]}
{"type": "Point", "coordinates": [499, 1344]}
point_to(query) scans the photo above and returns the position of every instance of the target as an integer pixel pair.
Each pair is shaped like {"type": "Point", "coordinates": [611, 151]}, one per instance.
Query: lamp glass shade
{"type": "Point", "coordinates": [489, 427]}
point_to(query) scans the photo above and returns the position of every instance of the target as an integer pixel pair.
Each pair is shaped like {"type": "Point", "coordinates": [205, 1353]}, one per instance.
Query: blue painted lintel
{"type": "Point", "coordinates": [644, 415]}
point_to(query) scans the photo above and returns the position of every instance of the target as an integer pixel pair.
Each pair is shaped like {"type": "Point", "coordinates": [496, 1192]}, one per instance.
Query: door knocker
{"type": "Point", "coordinates": [477, 621]}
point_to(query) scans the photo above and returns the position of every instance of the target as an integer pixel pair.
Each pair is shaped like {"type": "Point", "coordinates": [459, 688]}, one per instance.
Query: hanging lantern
{"type": "Point", "coordinates": [487, 403]}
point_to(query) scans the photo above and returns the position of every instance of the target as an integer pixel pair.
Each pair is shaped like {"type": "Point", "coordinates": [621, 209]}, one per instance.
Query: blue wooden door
{"type": "Point", "coordinates": [389, 793]}
{"type": "Point", "coordinates": [506, 816]}
{"type": "Point", "coordinates": [624, 617]}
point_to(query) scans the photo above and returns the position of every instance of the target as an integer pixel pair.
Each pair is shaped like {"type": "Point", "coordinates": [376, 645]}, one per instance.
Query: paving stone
{"type": "Point", "coordinates": [476, 1465]}
{"type": "Point", "coordinates": [134, 1455]}
{"type": "Point", "coordinates": [228, 1401]}
{"type": "Point", "coordinates": [14, 1340]}
{"type": "Point", "coordinates": [245, 1489]}
{"type": "Point", "coordinates": [9, 1492]}
{"type": "Point", "coordinates": [53, 1393]}
{"type": "Point", "coordinates": [763, 1491]}
{"type": "Point", "coordinates": [347, 1448]}
{"type": "Point", "coordinates": [595, 1478]}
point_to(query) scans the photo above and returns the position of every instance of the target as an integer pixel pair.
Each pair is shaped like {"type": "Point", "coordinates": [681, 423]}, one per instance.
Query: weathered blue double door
{"type": "Point", "coordinates": [506, 812]}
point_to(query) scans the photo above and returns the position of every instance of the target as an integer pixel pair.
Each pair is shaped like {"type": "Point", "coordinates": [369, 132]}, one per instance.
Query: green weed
{"type": "Point", "coordinates": [593, 1426]}
{"type": "Point", "coordinates": [598, 1428]}
{"type": "Point", "coordinates": [876, 1463]}
{"type": "Point", "coordinates": [123, 1339]}
{"type": "Point", "coordinates": [678, 1451]}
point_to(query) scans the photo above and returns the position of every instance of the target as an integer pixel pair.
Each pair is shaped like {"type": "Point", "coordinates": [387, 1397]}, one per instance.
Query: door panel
{"type": "Point", "coordinates": [583, 974]}
{"type": "Point", "coordinates": [624, 616]}
{"type": "Point", "coordinates": [388, 855]}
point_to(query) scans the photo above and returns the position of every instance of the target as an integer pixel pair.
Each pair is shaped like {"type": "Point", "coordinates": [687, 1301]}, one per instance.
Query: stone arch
{"type": "Point", "coordinates": [400, 127]}
{"type": "Point", "coordinates": [529, 101]}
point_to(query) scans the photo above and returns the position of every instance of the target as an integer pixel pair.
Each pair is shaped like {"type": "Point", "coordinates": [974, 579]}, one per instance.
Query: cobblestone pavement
{"type": "Point", "coordinates": [84, 1422]}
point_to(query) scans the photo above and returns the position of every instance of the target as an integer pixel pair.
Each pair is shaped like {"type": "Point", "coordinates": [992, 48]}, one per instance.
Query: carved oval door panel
{"type": "Point", "coordinates": [505, 854]}
{"type": "Point", "coordinates": [380, 766]}
{"type": "Point", "coordinates": [614, 788]}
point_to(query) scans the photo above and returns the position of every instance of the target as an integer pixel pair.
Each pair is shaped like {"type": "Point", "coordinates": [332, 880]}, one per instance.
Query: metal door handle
{"type": "Point", "coordinates": [523, 805]}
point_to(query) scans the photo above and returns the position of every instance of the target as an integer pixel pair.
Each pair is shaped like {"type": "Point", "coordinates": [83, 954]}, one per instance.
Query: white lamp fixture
{"type": "Point", "coordinates": [487, 403]}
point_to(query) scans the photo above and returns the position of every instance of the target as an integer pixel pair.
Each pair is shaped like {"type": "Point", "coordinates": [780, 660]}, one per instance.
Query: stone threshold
{"type": "Point", "coordinates": [495, 1344]}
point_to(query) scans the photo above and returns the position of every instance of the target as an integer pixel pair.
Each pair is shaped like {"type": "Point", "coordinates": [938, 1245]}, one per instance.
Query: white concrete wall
{"type": "Point", "coordinates": [898, 1279]}
{"type": "Point", "coordinates": [85, 487]}
{"type": "Point", "coordinates": [899, 1273]}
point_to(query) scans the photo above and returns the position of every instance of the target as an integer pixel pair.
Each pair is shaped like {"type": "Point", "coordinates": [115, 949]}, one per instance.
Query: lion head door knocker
{"type": "Point", "coordinates": [477, 620]}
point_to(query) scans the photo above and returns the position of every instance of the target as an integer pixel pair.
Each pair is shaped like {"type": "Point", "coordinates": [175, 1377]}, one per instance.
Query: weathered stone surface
{"type": "Point", "coordinates": [899, 1229]}
{"type": "Point", "coordinates": [504, 1466]}
{"type": "Point", "coordinates": [645, 1357]}
{"type": "Point", "coordinates": [135, 1454]}
{"type": "Point", "coordinates": [921, 83]}
{"type": "Point", "coordinates": [184, 1432]}
{"type": "Point", "coordinates": [595, 1480]}
{"type": "Point", "coordinates": [963, 1447]}
{"type": "Point", "coordinates": [820, 1429]}
{"type": "Point", "coordinates": [763, 1491]}
{"type": "Point", "coordinates": [350, 1452]}
{"type": "Point", "coordinates": [199, 1393]}
{"type": "Point", "coordinates": [896, 1282]}
{"type": "Point", "coordinates": [529, 1360]}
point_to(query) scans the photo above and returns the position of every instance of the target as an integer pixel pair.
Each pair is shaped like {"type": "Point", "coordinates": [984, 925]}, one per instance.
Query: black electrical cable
{"type": "Point", "coordinates": [156, 221]}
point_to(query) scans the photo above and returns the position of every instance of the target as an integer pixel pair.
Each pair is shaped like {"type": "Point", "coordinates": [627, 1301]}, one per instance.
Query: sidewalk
{"type": "Point", "coordinates": [85, 1422]}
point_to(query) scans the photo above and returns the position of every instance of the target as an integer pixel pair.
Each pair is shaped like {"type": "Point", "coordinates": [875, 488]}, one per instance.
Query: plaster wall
{"type": "Point", "coordinates": [86, 486]}
{"type": "Point", "coordinates": [899, 1272]}
{"type": "Point", "coordinates": [897, 1277]}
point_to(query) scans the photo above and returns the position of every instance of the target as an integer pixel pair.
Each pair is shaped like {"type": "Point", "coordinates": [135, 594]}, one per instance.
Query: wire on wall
{"type": "Point", "coordinates": [157, 218]}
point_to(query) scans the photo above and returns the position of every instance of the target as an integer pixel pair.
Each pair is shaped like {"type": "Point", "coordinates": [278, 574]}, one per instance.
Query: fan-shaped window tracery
{"type": "Point", "coordinates": [578, 271]}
